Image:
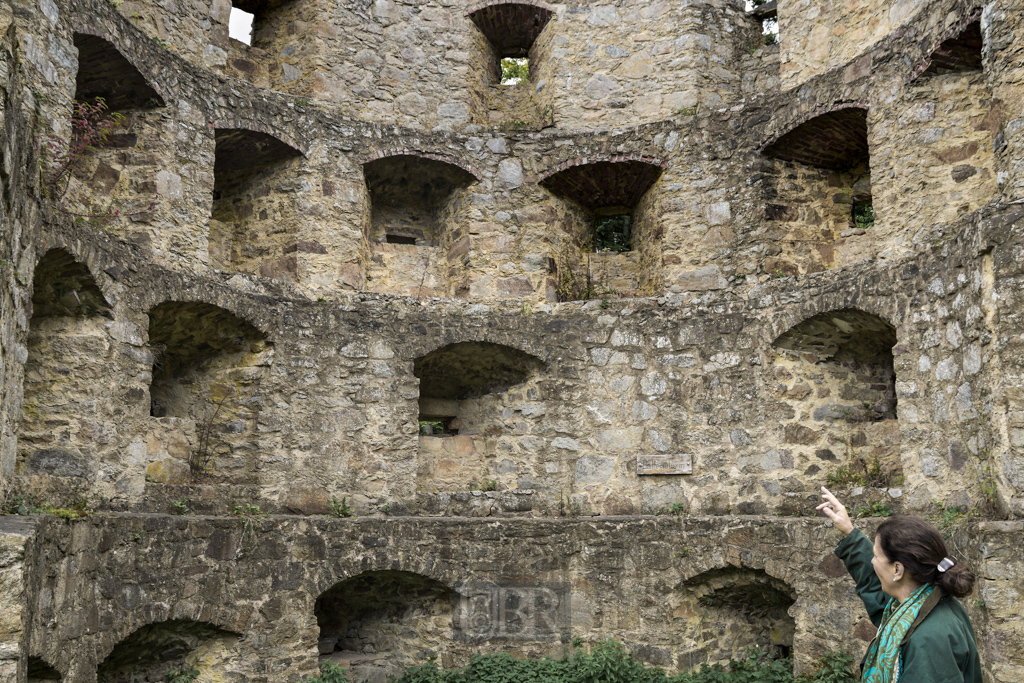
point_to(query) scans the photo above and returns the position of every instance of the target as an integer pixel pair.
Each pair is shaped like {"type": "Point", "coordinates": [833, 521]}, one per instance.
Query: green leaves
{"type": "Point", "coordinates": [610, 662]}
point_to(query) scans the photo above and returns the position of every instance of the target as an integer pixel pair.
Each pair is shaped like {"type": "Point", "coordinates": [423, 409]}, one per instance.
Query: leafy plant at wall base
{"type": "Point", "coordinates": [329, 673]}
{"type": "Point", "coordinates": [843, 476]}
{"type": "Point", "coordinates": [339, 509]}
{"type": "Point", "coordinates": [187, 675]}
{"type": "Point", "coordinates": [610, 662]}
{"type": "Point", "coordinates": [181, 506]}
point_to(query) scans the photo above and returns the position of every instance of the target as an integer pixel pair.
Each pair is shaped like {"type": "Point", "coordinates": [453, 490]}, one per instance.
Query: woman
{"type": "Point", "coordinates": [924, 634]}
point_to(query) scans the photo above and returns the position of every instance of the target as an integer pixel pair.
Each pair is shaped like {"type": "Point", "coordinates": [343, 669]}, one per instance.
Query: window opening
{"type": "Point", "coordinates": [863, 215]}
{"type": "Point", "coordinates": [240, 25]}
{"type": "Point", "coordinates": [767, 12]}
{"type": "Point", "coordinates": [612, 233]}
{"type": "Point", "coordinates": [437, 426]}
{"type": "Point", "coordinates": [515, 70]}
{"type": "Point", "coordinates": [399, 239]}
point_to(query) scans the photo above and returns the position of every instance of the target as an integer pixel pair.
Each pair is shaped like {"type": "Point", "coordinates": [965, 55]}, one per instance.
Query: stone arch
{"type": "Point", "coordinates": [40, 671]}
{"type": "Point", "coordinates": [416, 232]}
{"type": "Point", "coordinates": [207, 369]}
{"type": "Point", "coordinates": [839, 382]}
{"type": "Point", "coordinates": [959, 49]}
{"type": "Point", "coordinates": [511, 28]}
{"type": "Point", "coordinates": [727, 609]}
{"type": "Point", "coordinates": [828, 214]}
{"type": "Point", "coordinates": [255, 222]}
{"type": "Point", "coordinates": [68, 348]}
{"type": "Point", "coordinates": [150, 650]}
{"type": "Point", "coordinates": [610, 244]}
{"type": "Point", "coordinates": [378, 622]}
{"type": "Point", "coordinates": [470, 399]}
{"type": "Point", "coordinates": [104, 71]}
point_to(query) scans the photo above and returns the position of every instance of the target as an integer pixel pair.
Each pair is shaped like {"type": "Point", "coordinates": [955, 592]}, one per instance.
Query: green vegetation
{"type": "Point", "coordinates": [185, 675]}
{"type": "Point", "coordinates": [610, 662]}
{"type": "Point", "coordinates": [676, 509]}
{"type": "Point", "coordinates": [863, 215]}
{"type": "Point", "coordinates": [515, 70]}
{"type": "Point", "coordinates": [874, 510]}
{"type": "Point", "coordinates": [329, 673]}
{"type": "Point", "coordinates": [950, 518]}
{"type": "Point", "coordinates": [181, 506]}
{"type": "Point", "coordinates": [341, 509]}
{"type": "Point", "coordinates": [487, 485]}
{"type": "Point", "coordinates": [247, 510]}
{"type": "Point", "coordinates": [842, 477]}
{"type": "Point", "coordinates": [31, 504]}
{"type": "Point", "coordinates": [611, 233]}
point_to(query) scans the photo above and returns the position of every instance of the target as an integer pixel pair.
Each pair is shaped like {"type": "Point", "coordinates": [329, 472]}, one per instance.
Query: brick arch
{"type": "Point", "coordinates": [433, 156]}
{"type": "Point", "coordinates": [842, 114]}
{"type": "Point", "coordinates": [86, 29]}
{"type": "Point", "coordinates": [258, 127]}
{"type": "Point", "coordinates": [476, 7]}
{"type": "Point", "coordinates": [605, 158]}
{"type": "Point", "coordinates": [971, 16]}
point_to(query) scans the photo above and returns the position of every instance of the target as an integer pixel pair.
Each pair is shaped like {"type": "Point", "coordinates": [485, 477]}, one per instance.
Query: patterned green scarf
{"type": "Point", "coordinates": [882, 662]}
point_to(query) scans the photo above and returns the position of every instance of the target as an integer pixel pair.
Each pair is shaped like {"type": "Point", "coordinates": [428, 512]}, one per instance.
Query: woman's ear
{"type": "Point", "coordinates": [897, 571]}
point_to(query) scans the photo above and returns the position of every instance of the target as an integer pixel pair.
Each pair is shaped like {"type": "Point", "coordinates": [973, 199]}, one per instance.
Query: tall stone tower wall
{"type": "Point", "coordinates": [346, 263]}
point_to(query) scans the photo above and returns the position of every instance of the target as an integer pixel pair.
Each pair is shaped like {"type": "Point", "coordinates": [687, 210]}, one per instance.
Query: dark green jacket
{"type": "Point", "coordinates": [942, 648]}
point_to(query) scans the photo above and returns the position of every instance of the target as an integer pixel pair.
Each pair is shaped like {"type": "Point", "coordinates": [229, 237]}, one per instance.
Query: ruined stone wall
{"type": "Point", "coordinates": [658, 584]}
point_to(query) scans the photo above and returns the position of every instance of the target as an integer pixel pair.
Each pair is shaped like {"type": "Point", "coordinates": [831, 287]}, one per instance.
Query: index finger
{"type": "Point", "coordinates": [829, 496]}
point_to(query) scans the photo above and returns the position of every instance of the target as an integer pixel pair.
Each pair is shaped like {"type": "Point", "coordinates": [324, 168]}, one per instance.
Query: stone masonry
{"type": "Point", "coordinates": [346, 263]}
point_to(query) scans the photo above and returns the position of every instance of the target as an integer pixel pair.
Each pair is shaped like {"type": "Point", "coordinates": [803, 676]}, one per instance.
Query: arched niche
{"type": "Point", "coordinates": [104, 72]}
{"type": "Point", "coordinates": [416, 233]}
{"type": "Point", "coordinates": [725, 611]}
{"type": "Point", "coordinates": [822, 210]}
{"type": "Point", "coordinates": [151, 651]}
{"type": "Point", "coordinates": [69, 352]}
{"type": "Point", "coordinates": [208, 365]}
{"type": "Point", "coordinates": [469, 413]}
{"type": "Point", "coordinates": [379, 622]}
{"type": "Point", "coordinates": [40, 671]}
{"type": "Point", "coordinates": [255, 226]}
{"type": "Point", "coordinates": [511, 28]}
{"type": "Point", "coordinates": [836, 381]}
{"type": "Point", "coordinates": [610, 242]}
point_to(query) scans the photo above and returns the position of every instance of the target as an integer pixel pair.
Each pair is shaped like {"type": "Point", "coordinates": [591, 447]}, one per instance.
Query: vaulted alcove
{"type": "Point", "coordinates": [153, 650]}
{"type": "Point", "coordinates": [468, 391]}
{"type": "Point", "coordinates": [116, 114]}
{"type": "Point", "coordinates": [610, 240]}
{"type": "Point", "coordinates": [379, 622]}
{"type": "Point", "coordinates": [835, 375]}
{"type": "Point", "coordinates": [255, 220]}
{"type": "Point", "coordinates": [821, 211]}
{"type": "Point", "coordinates": [208, 365]}
{"type": "Point", "coordinates": [417, 239]}
{"type": "Point", "coordinates": [39, 671]}
{"type": "Point", "coordinates": [725, 611]}
{"type": "Point", "coordinates": [68, 352]}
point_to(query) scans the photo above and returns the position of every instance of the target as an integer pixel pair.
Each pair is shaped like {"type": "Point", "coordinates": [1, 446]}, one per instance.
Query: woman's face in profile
{"type": "Point", "coordinates": [884, 569]}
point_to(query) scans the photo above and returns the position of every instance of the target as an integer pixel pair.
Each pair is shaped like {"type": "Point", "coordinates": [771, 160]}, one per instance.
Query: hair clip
{"type": "Point", "coordinates": [946, 563]}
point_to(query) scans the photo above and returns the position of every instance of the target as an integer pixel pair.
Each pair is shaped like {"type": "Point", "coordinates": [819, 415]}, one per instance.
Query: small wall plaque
{"type": "Point", "coordinates": [677, 463]}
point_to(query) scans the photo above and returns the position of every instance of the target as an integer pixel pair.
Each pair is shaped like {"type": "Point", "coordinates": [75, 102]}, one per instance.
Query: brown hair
{"type": "Point", "coordinates": [919, 547]}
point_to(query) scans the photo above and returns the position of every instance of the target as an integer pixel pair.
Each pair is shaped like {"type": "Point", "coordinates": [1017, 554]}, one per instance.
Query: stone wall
{"type": "Point", "coordinates": [255, 339]}
{"type": "Point", "coordinates": [661, 585]}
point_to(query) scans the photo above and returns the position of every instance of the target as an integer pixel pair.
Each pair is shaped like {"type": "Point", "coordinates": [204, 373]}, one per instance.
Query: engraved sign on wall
{"type": "Point", "coordinates": [676, 463]}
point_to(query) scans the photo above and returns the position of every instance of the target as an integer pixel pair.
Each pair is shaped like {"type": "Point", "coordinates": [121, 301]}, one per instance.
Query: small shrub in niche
{"type": "Point", "coordinates": [185, 675]}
